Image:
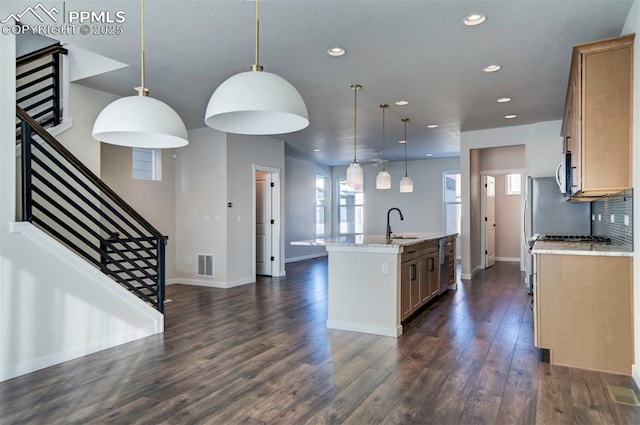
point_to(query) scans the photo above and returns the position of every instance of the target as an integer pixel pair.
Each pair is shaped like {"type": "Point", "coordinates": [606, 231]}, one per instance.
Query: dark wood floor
{"type": "Point", "coordinates": [261, 354]}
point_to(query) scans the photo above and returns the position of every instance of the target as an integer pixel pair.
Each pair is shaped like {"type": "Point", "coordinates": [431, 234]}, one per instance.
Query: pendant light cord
{"type": "Point", "coordinates": [355, 88]}
{"type": "Point", "coordinates": [384, 163]}
{"type": "Point", "coordinates": [406, 173]}
{"type": "Point", "coordinates": [256, 66]}
{"type": "Point", "coordinates": [142, 90]}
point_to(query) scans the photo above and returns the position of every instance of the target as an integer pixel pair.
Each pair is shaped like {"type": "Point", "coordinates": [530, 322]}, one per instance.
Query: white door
{"type": "Point", "coordinates": [490, 220]}
{"type": "Point", "coordinates": [264, 229]}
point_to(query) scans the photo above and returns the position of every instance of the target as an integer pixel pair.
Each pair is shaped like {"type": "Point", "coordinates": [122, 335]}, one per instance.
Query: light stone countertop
{"type": "Point", "coordinates": [581, 248]}
{"type": "Point", "coordinates": [374, 241]}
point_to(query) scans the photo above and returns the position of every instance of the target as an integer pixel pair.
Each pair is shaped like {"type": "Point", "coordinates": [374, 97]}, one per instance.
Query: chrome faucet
{"type": "Point", "coordinates": [388, 235]}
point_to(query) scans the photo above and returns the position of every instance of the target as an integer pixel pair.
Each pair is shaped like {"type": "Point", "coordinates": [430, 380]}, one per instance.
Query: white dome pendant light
{"type": "Point", "coordinates": [383, 179]}
{"type": "Point", "coordinates": [406, 184]}
{"type": "Point", "coordinates": [140, 121]}
{"type": "Point", "coordinates": [355, 175]}
{"type": "Point", "coordinates": [256, 102]}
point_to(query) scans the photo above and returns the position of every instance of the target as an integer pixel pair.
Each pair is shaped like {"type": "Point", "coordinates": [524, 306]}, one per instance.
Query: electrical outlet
{"type": "Point", "coordinates": [599, 217]}
{"type": "Point", "coordinates": [626, 220]}
{"type": "Point", "coordinates": [189, 261]}
{"type": "Point", "coordinates": [593, 217]}
{"type": "Point", "coordinates": [613, 218]}
{"type": "Point", "coordinates": [384, 267]}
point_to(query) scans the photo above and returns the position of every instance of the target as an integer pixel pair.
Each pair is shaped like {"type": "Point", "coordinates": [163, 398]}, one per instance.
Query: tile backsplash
{"type": "Point", "coordinates": [620, 207]}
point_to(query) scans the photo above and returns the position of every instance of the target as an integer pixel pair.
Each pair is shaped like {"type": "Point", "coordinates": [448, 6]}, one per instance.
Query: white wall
{"type": "Point", "coordinates": [213, 170]}
{"type": "Point", "coordinates": [543, 146]}
{"type": "Point", "coordinates": [632, 25]}
{"type": "Point", "coordinates": [84, 106]}
{"type": "Point", "coordinates": [53, 306]}
{"type": "Point", "coordinates": [201, 192]}
{"type": "Point", "coordinates": [300, 209]}
{"type": "Point", "coordinates": [243, 152]}
{"type": "Point", "coordinates": [422, 209]}
{"type": "Point", "coordinates": [154, 200]}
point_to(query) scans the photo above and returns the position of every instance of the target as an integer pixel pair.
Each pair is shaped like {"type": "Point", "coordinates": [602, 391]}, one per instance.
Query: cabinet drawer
{"type": "Point", "coordinates": [428, 247]}
{"type": "Point", "coordinates": [410, 252]}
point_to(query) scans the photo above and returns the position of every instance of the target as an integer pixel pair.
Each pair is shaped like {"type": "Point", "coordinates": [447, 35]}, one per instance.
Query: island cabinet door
{"type": "Point", "coordinates": [434, 275]}
{"type": "Point", "coordinates": [414, 278]}
{"type": "Point", "coordinates": [405, 289]}
{"type": "Point", "coordinates": [425, 291]}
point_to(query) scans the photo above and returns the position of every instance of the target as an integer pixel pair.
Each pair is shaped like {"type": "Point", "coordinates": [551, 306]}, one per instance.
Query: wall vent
{"type": "Point", "coordinates": [205, 265]}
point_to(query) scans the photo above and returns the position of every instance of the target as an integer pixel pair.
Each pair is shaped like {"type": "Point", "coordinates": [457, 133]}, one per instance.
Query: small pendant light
{"type": "Point", "coordinates": [383, 179]}
{"type": "Point", "coordinates": [140, 121]}
{"type": "Point", "coordinates": [355, 175]}
{"type": "Point", "coordinates": [406, 184]}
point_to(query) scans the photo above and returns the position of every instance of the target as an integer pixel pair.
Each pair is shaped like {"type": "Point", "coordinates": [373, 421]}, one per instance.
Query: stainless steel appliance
{"type": "Point", "coordinates": [548, 212]}
{"type": "Point", "coordinates": [447, 256]}
{"type": "Point", "coordinates": [564, 174]}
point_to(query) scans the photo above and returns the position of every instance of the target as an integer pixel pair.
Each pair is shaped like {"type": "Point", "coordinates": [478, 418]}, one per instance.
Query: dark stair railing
{"type": "Point", "coordinates": [61, 196]}
{"type": "Point", "coordinates": [39, 85]}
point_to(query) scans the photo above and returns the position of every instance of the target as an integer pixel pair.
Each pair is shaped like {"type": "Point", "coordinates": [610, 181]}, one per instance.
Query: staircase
{"type": "Point", "coordinates": [65, 199]}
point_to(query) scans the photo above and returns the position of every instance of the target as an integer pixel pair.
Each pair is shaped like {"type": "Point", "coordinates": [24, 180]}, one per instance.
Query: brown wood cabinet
{"type": "Point", "coordinates": [419, 276]}
{"type": "Point", "coordinates": [598, 117]}
{"type": "Point", "coordinates": [583, 311]}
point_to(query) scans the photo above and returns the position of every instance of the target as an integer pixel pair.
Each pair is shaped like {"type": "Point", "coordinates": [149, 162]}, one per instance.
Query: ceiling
{"type": "Point", "coordinates": [417, 51]}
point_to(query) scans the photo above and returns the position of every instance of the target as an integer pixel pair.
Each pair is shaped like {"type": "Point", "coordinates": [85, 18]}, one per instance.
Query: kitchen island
{"type": "Point", "coordinates": [375, 284]}
{"type": "Point", "coordinates": [583, 305]}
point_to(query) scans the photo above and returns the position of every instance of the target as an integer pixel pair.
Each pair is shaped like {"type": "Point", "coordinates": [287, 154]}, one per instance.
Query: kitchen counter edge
{"type": "Point", "coordinates": [580, 248]}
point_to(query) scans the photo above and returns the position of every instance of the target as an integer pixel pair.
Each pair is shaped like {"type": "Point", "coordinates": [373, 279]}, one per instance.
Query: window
{"type": "Point", "coordinates": [146, 164]}
{"type": "Point", "coordinates": [321, 205]}
{"type": "Point", "coordinates": [350, 209]}
{"type": "Point", "coordinates": [513, 184]}
{"type": "Point", "coordinates": [452, 203]}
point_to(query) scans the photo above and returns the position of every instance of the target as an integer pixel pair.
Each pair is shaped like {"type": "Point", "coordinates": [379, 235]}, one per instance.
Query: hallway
{"type": "Point", "coordinates": [260, 353]}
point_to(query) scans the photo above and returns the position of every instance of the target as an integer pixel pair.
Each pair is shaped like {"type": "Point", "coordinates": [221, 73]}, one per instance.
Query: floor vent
{"type": "Point", "coordinates": [622, 395]}
{"type": "Point", "coordinates": [205, 265]}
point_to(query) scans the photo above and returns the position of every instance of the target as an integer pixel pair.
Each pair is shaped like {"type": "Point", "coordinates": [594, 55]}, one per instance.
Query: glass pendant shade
{"type": "Point", "coordinates": [383, 180]}
{"type": "Point", "coordinates": [406, 185]}
{"type": "Point", "coordinates": [141, 122]}
{"type": "Point", "coordinates": [256, 103]}
{"type": "Point", "coordinates": [355, 175]}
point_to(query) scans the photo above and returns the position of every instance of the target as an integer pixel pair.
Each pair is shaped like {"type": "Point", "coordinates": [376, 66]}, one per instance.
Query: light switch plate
{"type": "Point", "coordinates": [613, 218]}
{"type": "Point", "coordinates": [626, 220]}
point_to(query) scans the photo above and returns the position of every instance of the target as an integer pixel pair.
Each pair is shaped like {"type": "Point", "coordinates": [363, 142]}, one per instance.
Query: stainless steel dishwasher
{"type": "Point", "coordinates": [445, 253]}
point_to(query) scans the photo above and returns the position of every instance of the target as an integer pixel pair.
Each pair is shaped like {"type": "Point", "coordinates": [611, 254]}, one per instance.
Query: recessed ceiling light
{"type": "Point", "coordinates": [492, 68]}
{"type": "Point", "coordinates": [511, 116]}
{"type": "Point", "coordinates": [504, 100]}
{"type": "Point", "coordinates": [429, 154]}
{"type": "Point", "coordinates": [433, 126]}
{"type": "Point", "coordinates": [474, 19]}
{"type": "Point", "coordinates": [402, 103]}
{"type": "Point", "coordinates": [336, 51]}
{"type": "Point", "coordinates": [316, 150]}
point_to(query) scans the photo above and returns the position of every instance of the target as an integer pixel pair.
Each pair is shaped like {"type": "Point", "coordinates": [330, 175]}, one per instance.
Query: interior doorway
{"type": "Point", "coordinates": [489, 220]}
{"type": "Point", "coordinates": [267, 227]}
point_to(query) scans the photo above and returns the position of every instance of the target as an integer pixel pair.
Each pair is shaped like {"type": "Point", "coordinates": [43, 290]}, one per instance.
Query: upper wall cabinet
{"type": "Point", "coordinates": [598, 117]}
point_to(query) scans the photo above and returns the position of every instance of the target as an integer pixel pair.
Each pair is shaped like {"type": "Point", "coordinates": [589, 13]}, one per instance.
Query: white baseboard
{"type": "Point", "coordinates": [19, 369]}
{"type": "Point", "coordinates": [508, 259]}
{"type": "Point", "coordinates": [468, 276]}
{"type": "Point", "coordinates": [306, 257]}
{"type": "Point", "coordinates": [210, 283]}
{"type": "Point", "coordinates": [365, 328]}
